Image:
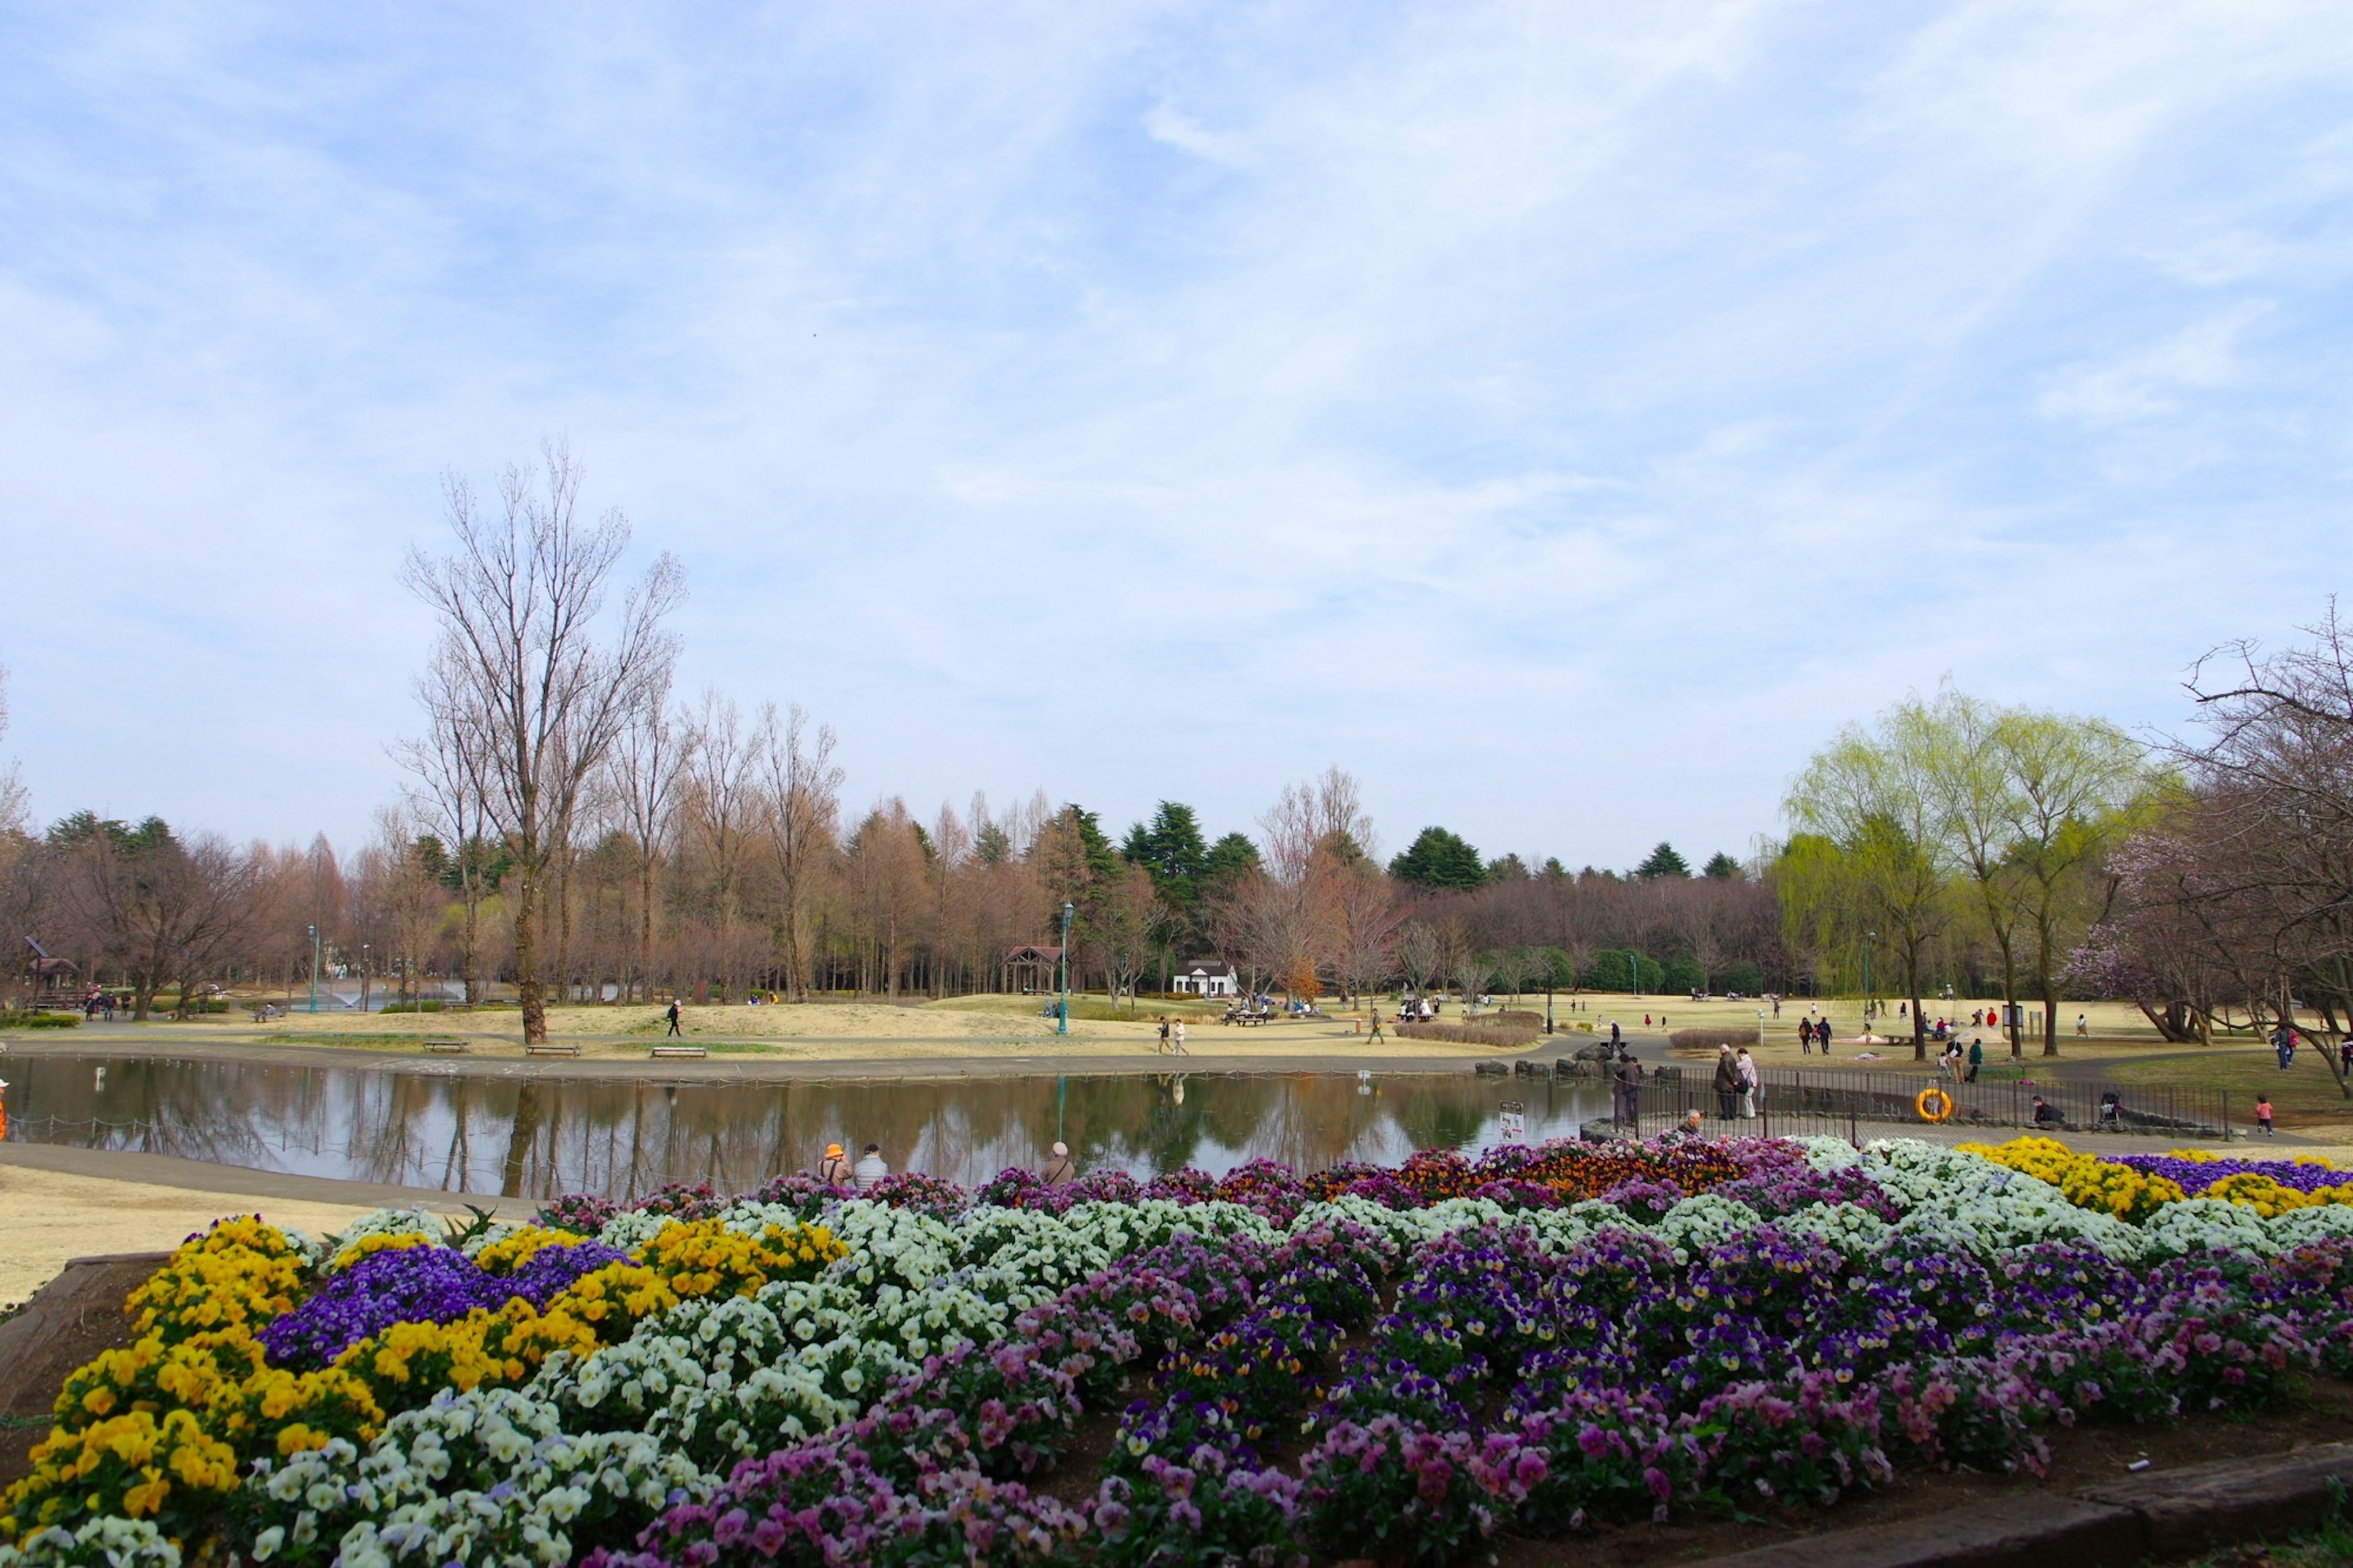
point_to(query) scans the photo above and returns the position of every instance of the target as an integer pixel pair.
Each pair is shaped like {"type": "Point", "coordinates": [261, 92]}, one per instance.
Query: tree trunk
{"type": "Point", "coordinates": [526, 941]}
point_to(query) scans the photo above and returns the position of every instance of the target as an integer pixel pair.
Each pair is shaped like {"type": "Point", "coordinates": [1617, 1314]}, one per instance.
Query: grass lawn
{"type": "Point", "coordinates": [2305, 1097]}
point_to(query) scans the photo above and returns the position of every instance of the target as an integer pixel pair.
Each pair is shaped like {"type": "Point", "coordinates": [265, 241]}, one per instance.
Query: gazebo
{"type": "Point", "coordinates": [1032, 967]}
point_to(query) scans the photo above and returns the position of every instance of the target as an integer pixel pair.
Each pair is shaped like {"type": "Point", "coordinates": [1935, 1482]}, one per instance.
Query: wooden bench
{"type": "Point", "coordinates": [692, 1053]}
{"type": "Point", "coordinates": [447, 1047]}
{"type": "Point", "coordinates": [550, 1048]}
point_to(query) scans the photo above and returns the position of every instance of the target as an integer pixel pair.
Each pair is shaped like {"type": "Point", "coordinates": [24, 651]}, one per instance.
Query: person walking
{"type": "Point", "coordinates": [672, 1016]}
{"type": "Point", "coordinates": [1977, 1059]}
{"type": "Point", "coordinates": [1805, 1036]}
{"type": "Point", "coordinates": [1162, 1048]}
{"type": "Point", "coordinates": [1376, 1028]}
{"type": "Point", "coordinates": [1616, 1036]}
{"type": "Point", "coordinates": [871, 1168]}
{"type": "Point", "coordinates": [2083, 1028]}
{"type": "Point", "coordinates": [1059, 1171]}
{"type": "Point", "coordinates": [2263, 1115]}
{"type": "Point", "coordinates": [1726, 1082]}
{"type": "Point", "coordinates": [1751, 1081]}
{"type": "Point", "coordinates": [834, 1169]}
{"type": "Point", "coordinates": [1176, 1036]}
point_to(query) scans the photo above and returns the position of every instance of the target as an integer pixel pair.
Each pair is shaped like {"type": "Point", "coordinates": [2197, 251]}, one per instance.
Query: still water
{"type": "Point", "coordinates": [538, 1137]}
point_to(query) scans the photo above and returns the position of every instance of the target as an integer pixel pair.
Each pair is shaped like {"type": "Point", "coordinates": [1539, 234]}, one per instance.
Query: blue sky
{"type": "Point", "coordinates": [1561, 415]}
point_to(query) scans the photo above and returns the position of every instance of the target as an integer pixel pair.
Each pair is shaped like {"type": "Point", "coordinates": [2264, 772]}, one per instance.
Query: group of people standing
{"type": "Point", "coordinates": [1737, 1083]}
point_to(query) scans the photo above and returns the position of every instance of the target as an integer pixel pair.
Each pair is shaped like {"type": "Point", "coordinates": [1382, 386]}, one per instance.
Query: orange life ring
{"type": "Point", "coordinates": [1940, 1099]}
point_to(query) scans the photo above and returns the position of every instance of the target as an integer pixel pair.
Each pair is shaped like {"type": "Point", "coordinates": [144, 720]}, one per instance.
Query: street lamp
{"type": "Point", "coordinates": [314, 969]}
{"type": "Point", "coordinates": [1635, 955]}
{"type": "Point", "coordinates": [364, 976]}
{"type": "Point", "coordinates": [1062, 1007]}
{"type": "Point", "coordinates": [1871, 939]}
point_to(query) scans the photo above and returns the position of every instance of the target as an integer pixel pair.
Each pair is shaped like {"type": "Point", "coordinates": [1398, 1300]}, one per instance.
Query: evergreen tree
{"type": "Point", "coordinates": [1663, 862]}
{"type": "Point", "coordinates": [1722, 867]}
{"type": "Point", "coordinates": [1229, 857]}
{"type": "Point", "coordinates": [1171, 848]}
{"type": "Point", "coordinates": [1437, 858]}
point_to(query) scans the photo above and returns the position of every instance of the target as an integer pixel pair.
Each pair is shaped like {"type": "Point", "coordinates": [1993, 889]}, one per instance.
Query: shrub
{"type": "Point", "coordinates": [39, 1020]}
{"type": "Point", "coordinates": [1708, 1037]}
{"type": "Point", "coordinates": [424, 1006]}
{"type": "Point", "coordinates": [1485, 1032]}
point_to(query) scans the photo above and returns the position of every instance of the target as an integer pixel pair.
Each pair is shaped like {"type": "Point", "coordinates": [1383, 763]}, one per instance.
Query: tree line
{"type": "Point", "coordinates": [575, 828]}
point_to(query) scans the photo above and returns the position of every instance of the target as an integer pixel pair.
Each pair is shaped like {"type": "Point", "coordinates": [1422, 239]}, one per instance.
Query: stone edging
{"type": "Point", "coordinates": [2163, 1515]}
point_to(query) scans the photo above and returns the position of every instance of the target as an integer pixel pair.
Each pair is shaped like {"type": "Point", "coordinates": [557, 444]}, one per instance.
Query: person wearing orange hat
{"type": "Point", "coordinates": [834, 1169]}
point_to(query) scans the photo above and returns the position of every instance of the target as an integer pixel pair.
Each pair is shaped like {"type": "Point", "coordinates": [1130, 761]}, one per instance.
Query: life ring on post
{"type": "Point", "coordinates": [1934, 1105]}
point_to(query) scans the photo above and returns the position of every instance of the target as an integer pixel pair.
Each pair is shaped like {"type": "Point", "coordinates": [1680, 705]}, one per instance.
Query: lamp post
{"type": "Point", "coordinates": [1871, 939]}
{"type": "Point", "coordinates": [1635, 954]}
{"type": "Point", "coordinates": [314, 969]}
{"type": "Point", "coordinates": [364, 976]}
{"type": "Point", "coordinates": [1062, 1007]}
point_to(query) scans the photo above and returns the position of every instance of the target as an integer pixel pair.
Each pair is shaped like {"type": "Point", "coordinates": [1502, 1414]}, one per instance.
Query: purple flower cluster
{"type": "Point", "coordinates": [2194, 1176]}
{"type": "Point", "coordinates": [416, 1285]}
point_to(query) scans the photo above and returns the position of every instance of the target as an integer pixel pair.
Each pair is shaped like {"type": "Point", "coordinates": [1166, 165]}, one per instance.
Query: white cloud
{"type": "Point", "coordinates": [1565, 415]}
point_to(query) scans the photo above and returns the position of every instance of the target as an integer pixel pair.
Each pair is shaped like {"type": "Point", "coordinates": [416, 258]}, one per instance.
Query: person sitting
{"type": "Point", "coordinates": [834, 1169]}
{"type": "Point", "coordinates": [871, 1168]}
{"type": "Point", "coordinates": [1059, 1171]}
{"type": "Point", "coordinates": [2047, 1114]}
{"type": "Point", "coordinates": [1691, 1128]}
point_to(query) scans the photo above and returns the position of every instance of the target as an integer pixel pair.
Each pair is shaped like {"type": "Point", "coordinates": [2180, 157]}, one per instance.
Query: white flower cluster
{"type": "Point", "coordinates": [111, 1541]}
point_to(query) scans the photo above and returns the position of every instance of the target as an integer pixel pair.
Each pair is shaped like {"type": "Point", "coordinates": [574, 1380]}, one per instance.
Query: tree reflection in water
{"type": "Point", "coordinates": [535, 1137]}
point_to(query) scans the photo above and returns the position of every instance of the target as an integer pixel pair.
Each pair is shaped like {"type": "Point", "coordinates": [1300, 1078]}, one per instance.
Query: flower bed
{"type": "Point", "coordinates": [1391, 1364]}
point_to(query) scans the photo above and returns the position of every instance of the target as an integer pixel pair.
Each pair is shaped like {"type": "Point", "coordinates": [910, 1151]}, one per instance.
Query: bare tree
{"type": "Point", "coordinates": [520, 664]}
{"type": "Point", "coordinates": [649, 761]}
{"type": "Point", "coordinates": [719, 803]}
{"type": "Point", "coordinates": [165, 912]}
{"type": "Point", "coordinates": [1129, 917]}
{"type": "Point", "coordinates": [804, 804]}
{"type": "Point", "coordinates": [452, 800]}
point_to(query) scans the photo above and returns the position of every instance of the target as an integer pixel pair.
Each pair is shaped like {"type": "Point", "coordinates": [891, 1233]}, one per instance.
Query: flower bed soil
{"type": "Point", "coordinates": [67, 1322]}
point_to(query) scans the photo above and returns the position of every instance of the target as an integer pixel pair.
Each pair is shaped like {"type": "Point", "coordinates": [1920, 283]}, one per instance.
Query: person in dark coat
{"type": "Point", "coordinates": [1626, 1078]}
{"type": "Point", "coordinates": [1727, 1083]}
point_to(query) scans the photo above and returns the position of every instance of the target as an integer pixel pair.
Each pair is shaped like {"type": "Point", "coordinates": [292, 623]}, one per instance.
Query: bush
{"type": "Point", "coordinates": [1485, 1032]}
{"type": "Point", "coordinates": [1709, 1036]}
{"type": "Point", "coordinates": [1614, 971]}
{"type": "Point", "coordinates": [39, 1020]}
{"type": "Point", "coordinates": [424, 1006]}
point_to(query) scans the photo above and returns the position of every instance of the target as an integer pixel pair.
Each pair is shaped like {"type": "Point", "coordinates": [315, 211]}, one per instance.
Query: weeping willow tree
{"type": "Point", "coordinates": [1866, 867]}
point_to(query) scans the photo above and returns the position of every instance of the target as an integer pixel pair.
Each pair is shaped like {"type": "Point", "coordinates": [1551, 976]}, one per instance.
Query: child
{"type": "Point", "coordinates": [2264, 1116]}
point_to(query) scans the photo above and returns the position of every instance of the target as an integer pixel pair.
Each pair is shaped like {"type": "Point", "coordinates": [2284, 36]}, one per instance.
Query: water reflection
{"type": "Point", "coordinates": [535, 1137]}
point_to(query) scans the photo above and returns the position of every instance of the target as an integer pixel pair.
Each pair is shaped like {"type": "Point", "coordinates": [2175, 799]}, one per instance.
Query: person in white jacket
{"type": "Point", "coordinates": [1750, 1079]}
{"type": "Point", "coordinates": [871, 1168]}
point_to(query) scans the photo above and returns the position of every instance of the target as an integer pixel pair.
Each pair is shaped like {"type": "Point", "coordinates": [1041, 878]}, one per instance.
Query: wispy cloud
{"type": "Point", "coordinates": [1562, 414]}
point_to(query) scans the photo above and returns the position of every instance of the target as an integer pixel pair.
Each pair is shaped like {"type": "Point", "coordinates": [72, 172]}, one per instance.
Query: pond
{"type": "Point", "coordinates": [535, 1137]}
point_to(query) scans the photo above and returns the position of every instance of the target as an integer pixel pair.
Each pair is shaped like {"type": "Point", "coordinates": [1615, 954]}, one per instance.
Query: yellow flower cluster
{"type": "Point", "coordinates": [510, 1253]}
{"type": "Point", "coordinates": [158, 1429]}
{"type": "Point", "coordinates": [2087, 1181]}
{"type": "Point", "coordinates": [368, 1246]}
{"type": "Point", "coordinates": [706, 1258]}
{"type": "Point", "coordinates": [2268, 1197]}
{"type": "Point", "coordinates": [407, 1363]}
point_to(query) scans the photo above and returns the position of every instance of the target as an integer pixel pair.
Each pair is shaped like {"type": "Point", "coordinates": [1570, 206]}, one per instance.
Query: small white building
{"type": "Point", "coordinates": [1206, 977]}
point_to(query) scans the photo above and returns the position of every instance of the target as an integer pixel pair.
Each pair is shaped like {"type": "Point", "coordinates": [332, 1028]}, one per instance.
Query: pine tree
{"type": "Point", "coordinates": [1663, 862]}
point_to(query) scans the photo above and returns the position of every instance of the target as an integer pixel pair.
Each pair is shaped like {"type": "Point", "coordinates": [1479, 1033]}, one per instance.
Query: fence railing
{"type": "Point", "coordinates": [1839, 1103]}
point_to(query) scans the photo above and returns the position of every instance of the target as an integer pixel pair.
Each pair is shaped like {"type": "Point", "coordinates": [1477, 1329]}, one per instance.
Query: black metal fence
{"type": "Point", "coordinates": [1793, 1102]}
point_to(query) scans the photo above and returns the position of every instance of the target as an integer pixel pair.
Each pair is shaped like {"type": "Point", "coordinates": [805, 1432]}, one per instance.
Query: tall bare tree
{"type": "Point", "coordinates": [803, 812]}
{"type": "Point", "coordinates": [649, 763]}
{"type": "Point", "coordinates": [521, 603]}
